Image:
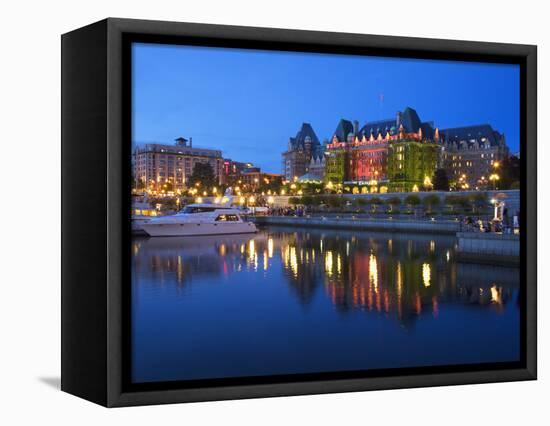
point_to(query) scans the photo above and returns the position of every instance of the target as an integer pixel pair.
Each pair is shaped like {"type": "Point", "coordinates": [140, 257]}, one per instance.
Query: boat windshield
{"type": "Point", "coordinates": [191, 210]}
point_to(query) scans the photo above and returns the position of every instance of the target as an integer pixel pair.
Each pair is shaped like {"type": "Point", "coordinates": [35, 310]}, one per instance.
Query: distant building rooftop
{"type": "Point", "coordinates": [177, 149]}
{"type": "Point", "coordinates": [470, 134]}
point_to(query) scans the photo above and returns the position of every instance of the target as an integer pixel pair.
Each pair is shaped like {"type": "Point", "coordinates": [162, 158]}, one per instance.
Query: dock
{"type": "Point", "coordinates": [484, 247]}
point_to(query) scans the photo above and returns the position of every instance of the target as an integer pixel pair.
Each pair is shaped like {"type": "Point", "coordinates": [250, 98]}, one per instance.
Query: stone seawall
{"type": "Point", "coordinates": [502, 248]}
{"type": "Point", "coordinates": [389, 225]}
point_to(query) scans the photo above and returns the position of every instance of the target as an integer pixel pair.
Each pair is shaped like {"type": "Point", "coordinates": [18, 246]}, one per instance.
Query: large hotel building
{"type": "Point", "coordinates": [394, 154]}
{"type": "Point", "coordinates": [157, 165]}
{"type": "Point", "coordinates": [397, 154]}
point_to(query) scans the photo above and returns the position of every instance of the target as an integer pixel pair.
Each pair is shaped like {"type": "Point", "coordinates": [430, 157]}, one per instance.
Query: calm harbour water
{"type": "Point", "coordinates": [289, 300]}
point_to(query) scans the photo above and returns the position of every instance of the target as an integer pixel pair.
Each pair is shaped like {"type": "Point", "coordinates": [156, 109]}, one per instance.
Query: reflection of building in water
{"type": "Point", "coordinates": [300, 260]}
{"type": "Point", "coordinates": [180, 259]}
{"type": "Point", "coordinates": [407, 277]}
{"type": "Point", "coordinates": [401, 276]}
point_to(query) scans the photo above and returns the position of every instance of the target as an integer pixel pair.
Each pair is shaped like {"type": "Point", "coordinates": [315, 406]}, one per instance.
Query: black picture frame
{"type": "Point", "coordinates": [96, 91]}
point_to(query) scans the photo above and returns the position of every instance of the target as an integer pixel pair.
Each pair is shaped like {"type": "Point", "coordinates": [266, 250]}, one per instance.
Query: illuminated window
{"type": "Point", "coordinates": [227, 218]}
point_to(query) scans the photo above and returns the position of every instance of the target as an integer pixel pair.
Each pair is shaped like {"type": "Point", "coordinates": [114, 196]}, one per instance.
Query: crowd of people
{"type": "Point", "coordinates": [507, 225]}
{"type": "Point", "coordinates": [298, 211]}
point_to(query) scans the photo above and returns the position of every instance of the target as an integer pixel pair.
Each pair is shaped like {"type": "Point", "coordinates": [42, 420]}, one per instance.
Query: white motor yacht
{"type": "Point", "coordinates": [199, 219]}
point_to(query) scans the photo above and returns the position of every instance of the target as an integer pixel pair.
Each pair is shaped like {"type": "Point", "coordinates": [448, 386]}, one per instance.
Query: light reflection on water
{"type": "Point", "coordinates": [289, 301]}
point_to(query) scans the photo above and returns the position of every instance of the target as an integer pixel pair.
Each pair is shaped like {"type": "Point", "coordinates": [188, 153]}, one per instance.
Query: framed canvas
{"type": "Point", "coordinates": [255, 212]}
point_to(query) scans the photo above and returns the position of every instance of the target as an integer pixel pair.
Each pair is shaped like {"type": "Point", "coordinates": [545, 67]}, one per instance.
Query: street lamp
{"type": "Point", "coordinates": [494, 178]}
{"type": "Point", "coordinates": [463, 184]}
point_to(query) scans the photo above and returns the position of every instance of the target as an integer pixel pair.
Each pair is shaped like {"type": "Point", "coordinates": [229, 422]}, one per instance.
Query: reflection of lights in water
{"type": "Point", "coordinates": [270, 247]}
{"type": "Point", "coordinates": [293, 261]}
{"type": "Point", "coordinates": [222, 250]}
{"type": "Point", "coordinates": [329, 265]}
{"type": "Point", "coordinates": [286, 255]}
{"type": "Point", "coordinates": [347, 248]}
{"type": "Point", "coordinates": [339, 264]}
{"type": "Point", "coordinates": [242, 248]}
{"type": "Point", "coordinates": [136, 249]}
{"type": "Point", "coordinates": [265, 261]}
{"type": "Point", "coordinates": [448, 255]}
{"type": "Point", "coordinates": [426, 274]}
{"type": "Point", "coordinates": [252, 255]}
{"type": "Point", "coordinates": [179, 269]}
{"type": "Point", "coordinates": [399, 289]}
{"type": "Point", "coordinates": [373, 272]}
{"type": "Point", "coordinates": [321, 245]}
{"type": "Point", "coordinates": [435, 307]}
{"type": "Point", "coordinates": [496, 295]}
{"type": "Point", "coordinates": [313, 256]}
{"type": "Point", "coordinates": [390, 245]}
{"type": "Point", "coordinates": [399, 280]}
{"type": "Point", "coordinates": [432, 246]}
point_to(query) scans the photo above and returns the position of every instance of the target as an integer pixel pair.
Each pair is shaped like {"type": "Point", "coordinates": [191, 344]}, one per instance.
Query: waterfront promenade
{"type": "Point", "coordinates": [363, 224]}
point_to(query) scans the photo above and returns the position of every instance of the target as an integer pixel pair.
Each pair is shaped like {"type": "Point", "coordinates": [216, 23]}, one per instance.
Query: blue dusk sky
{"type": "Point", "coordinates": [249, 102]}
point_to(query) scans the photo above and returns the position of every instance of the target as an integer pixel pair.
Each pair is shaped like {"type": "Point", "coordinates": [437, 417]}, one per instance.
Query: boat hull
{"type": "Point", "coordinates": [194, 229]}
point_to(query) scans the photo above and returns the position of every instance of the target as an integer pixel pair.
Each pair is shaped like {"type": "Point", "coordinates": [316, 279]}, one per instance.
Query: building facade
{"type": "Point", "coordinates": [316, 169]}
{"type": "Point", "coordinates": [471, 154]}
{"type": "Point", "coordinates": [253, 178]}
{"type": "Point", "coordinates": [163, 167]}
{"type": "Point", "coordinates": [233, 170]}
{"type": "Point", "coordinates": [337, 153]}
{"type": "Point", "coordinates": [413, 153]}
{"type": "Point", "coordinates": [362, 156]}
{"type": "Point", "coordinates": [301, 149]}
{"type": "Point", "coordinates": [369, 153]}
{"type": "Point", "coordinates": [412, 162]}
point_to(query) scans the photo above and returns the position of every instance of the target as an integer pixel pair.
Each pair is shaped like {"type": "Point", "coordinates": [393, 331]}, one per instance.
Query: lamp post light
{"type": "Point", "coordinates": [494, 178]}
